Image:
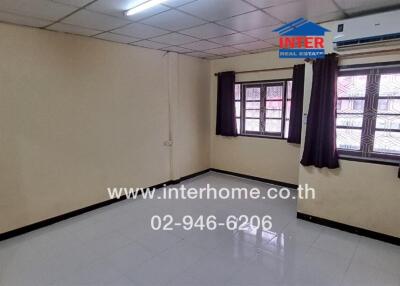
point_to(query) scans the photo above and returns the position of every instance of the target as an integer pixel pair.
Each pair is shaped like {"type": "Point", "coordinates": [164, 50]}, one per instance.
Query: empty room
{"type": "Point", "coordinates": [200, 142]}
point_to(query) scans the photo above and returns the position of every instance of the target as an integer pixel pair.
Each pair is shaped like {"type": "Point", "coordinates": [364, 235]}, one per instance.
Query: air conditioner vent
{"type": "Point", "coordinates": [368, 40]}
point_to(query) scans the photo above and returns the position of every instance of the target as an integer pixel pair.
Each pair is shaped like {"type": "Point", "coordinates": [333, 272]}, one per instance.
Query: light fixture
{"type": "Point", "coordinates": [144, 6]}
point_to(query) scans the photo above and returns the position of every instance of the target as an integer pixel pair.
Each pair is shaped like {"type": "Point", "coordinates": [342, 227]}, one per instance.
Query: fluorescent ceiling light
{"type": "Point", "coordinates": [144, 6]}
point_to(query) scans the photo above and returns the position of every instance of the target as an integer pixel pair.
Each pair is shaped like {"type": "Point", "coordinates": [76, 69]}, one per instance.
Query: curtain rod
{"type": "Point", "coordinates": [263, 70]}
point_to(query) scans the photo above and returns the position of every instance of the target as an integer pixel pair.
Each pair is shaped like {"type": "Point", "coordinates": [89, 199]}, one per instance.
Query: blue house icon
{"type": "Point", "coordinates": [301, 27]}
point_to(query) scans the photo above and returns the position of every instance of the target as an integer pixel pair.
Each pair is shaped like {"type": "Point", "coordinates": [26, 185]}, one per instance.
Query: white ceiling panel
{"type": "Point", "coordinates": [141, 31]}
{"type": "Point", "coordinates": [117, 38]}
{"type": "Point", "coordinates": [258, 45]}
{"type": "Point", "coordinates": [176, 3]}
{"type": "Point", "coordinates": [149, 44]}
{"type": "Point", "coordinates": [177, 49]}
{"type": "Point", "coordinates": [199, 55]}
{"type": "Point", "coordinates": [173, 20]}
{"type": "Point", "coordinates": [201, 46]}
{"type": "Point", "coordinates": [94, 20]}
{"type": "Point", "coordinates": [305, 8]}
{"type": "Point", "coordinates": [327, 17]}
{"type": "Point", "coordinates": [22, 20]}
{"type": "Point", "coordinates": [233, 39]}
{"type": "Point", "coordinates": [76, 3]}
{"type": "Point", "coordinates": [268, 3]}
{"type": "Point", "coordinates": [365, 4]}
{"type": "Point", "coordinates": [42, 9]}
{"type": "Point", "coordinates": [249, 21]}
{"type": "Point", "coordinates": [237, 54]}
{"type": "Point", "coordinates": [223, 51]}
{"type": "Point", "coordinates": [264, 33]}
{"type": "Point", "coordinates": [118, 7]}
{"type": "Point", "coordinates": [175, 39]}
{"type": "Point", "coordinates": [67, 28]}
{"type": "Point", "coordinates": [355, 7]}
{"type": "Point", "coordinates": [214, 10]}
{"type": "Point", "coordinates": [207, 31]}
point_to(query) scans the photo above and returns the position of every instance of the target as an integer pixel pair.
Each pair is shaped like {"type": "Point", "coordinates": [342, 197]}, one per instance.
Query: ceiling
{"type": "Point", "coordinates": [200, 28]}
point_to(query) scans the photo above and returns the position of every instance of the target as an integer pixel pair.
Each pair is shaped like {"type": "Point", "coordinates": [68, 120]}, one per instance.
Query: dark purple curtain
{"type": "Point", "coordinates": [296, 108]}
{"type": "Point", "coordinates": [320, 143]}
{"type": "Point", "coordinates": [226, 122]}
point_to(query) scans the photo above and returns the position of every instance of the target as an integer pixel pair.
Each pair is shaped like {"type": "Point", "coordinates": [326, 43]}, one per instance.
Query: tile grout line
{"type": "Point", "coordinates": [350, 262]}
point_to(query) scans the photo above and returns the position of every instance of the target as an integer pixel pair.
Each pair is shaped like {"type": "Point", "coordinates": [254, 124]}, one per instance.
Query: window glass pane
{"type": "Point", "coordinates": [289, 89]}
{"type": "Point", "coordinates": [350, 106]}
{"type": "Point", "coordinates": [252, 125]}
{"type": "Point", "coordinates": [253, 113]}
{"type": "Point", "coordinates": [253, 105]}
{"type": "Point", "coordinates": [351, 86]}
{"type": "Point", "coordinates": [389, 85]}
{"type": "Point", "coordinates": [274, 92]}
{"type": "Point", "coordinates": [253, 93]}
{"type": "Point", "coordinates": [383, 105]}
{"type": "Point", "coordinates": [273, 113]}
{"type": "Point", "coordinates": [237, 91]}
{"type": "Point", "coordinates": [274, 105]}
{"type": "Point", "coordinates": [349, 139]}
{"type": "Point", "coordinates": [349, 120]}
{"type": "Point", "coordinates": [389, 106]}
{"type": "Point", "coordinates": [387, 142]}
{"type": "Point", "coordinates": [238, 124]}
{"type": "Point", "coordinates": [237, 108]}
{"type": "Point", "coordinates": [388, 122]}
{"type": "Point", "coordinates": [273, 125]}
{"type": "Point", "coordinates": [273, 109]}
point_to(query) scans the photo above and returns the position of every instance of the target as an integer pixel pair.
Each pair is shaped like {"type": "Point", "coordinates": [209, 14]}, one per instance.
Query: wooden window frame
{"type": "Point", "coordinates": [263, 100]}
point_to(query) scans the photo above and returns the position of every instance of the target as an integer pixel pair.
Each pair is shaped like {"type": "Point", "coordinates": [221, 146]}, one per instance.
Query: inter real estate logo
{"type": "Point", "coordinates": [301, 39]}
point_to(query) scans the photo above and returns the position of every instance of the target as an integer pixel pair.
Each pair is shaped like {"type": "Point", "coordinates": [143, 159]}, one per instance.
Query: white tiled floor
{"type": "Point", "coordinates": [116, 246]}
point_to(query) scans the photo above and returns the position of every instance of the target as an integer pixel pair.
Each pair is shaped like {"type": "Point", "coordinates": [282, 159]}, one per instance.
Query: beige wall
{"type": "Point", "coordinates": [193, 116]}
{"type": "Point", "coordinates": [360, 194]}
{"type": "Point", "coordinates": [267, 158]}
{"type": "Point", "coordinates": [78, 115]}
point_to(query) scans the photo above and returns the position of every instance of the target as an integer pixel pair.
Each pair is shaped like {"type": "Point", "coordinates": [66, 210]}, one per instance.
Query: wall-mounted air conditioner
{"type": "Point", "coordinates": [367, 30]}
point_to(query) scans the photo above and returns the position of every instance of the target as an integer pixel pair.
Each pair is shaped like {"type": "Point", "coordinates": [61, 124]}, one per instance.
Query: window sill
{"type": "Point", "coordinates": [260, 136]}
{"type": "Point", "coordinates": [378, 161]}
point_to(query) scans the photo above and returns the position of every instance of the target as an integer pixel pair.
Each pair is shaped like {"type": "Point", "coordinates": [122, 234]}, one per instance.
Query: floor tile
{"type": "Point", "coordinates": [319, 267]}
{"type": "Point", "coordinates": [157, 241]}
{"type": "Point", "coordinates": [115, 245]}
{"type": "Point", "coordinates": [379, 254]}
{"type": "Point", "coordinates": [339, 242]}
{"type": "Point", "coordinates": [215, 269]}
{"type": "Point", "coordinates": [166, 266]}
{"type": "Point", "coordinates": [361, 274]}
{"type": "Point", "coordinates": [129, 257]}
{"type": "Point", "coordinates": [96, 274]}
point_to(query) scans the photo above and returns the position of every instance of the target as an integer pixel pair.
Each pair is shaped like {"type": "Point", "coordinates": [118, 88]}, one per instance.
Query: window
{"type": "Point", "coordinates": [368, 112]}
{"type": "Point", "coordinates": [263, 108]}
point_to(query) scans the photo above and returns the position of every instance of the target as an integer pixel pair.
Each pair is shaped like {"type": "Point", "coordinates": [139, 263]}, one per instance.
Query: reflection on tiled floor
{"type": "Point", "coordinates": [116, 246]}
